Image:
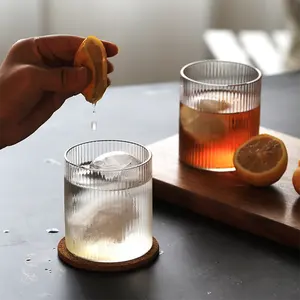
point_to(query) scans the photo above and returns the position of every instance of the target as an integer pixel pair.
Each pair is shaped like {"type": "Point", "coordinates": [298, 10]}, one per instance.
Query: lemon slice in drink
{"type": "Point", "coordinates": [204, 124]}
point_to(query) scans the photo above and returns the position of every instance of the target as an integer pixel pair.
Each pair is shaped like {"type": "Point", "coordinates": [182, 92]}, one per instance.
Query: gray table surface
{"type": "Point", "coordinates": [201, 259]}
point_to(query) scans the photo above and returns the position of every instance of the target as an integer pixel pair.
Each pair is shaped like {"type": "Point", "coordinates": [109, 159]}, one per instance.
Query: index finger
{"type": "Point", "coordinates": [62, 48]}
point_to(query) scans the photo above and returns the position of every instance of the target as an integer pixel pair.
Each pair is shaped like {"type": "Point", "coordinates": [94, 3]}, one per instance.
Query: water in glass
{"type": "Point", "coordinates": [108, 212]}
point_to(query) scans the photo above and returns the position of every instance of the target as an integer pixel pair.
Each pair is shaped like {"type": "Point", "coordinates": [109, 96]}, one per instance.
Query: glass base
{"type": "Point", "coordinates": [219, 170]}
{"type": "Point", "coordinates": [101, 252]}
{"type": "Point", "coordinates": [79, 263]}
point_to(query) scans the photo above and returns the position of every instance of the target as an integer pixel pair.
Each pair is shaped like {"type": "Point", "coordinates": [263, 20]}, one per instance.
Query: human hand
{"type": "Point", "coordinates": [36, 78]}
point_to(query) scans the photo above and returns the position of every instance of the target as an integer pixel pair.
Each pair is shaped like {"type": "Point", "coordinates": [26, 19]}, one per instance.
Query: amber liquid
{"type": "Point", "coordinates": [208, 140]}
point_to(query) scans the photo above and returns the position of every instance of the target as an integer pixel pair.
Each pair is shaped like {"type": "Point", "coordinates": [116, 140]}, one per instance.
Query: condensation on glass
{"type": "Point", "coordinates": [219, 110]}
{"type": "Point", "coordinates": [108, 208]}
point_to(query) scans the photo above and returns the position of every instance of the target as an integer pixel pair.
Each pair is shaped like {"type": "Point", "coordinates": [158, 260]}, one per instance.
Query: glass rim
{"type": "Point", "coordinates": [183, 75]}
{"type": "Point", "coordinates": [145, 162]}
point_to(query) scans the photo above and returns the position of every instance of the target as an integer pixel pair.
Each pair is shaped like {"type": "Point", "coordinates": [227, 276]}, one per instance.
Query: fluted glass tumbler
{"type": "Point", "coordinates": [219, 110]}
{"type": "Point", "coordinates": [108, 200]}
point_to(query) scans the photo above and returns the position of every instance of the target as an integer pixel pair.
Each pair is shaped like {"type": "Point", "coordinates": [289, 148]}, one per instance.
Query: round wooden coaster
{"type": "Point", "coordinates": [79, 263]}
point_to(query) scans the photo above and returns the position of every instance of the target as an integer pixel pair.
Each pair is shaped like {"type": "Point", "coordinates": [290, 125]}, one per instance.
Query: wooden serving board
{"type": "Point", "coordinates": [272, 212]}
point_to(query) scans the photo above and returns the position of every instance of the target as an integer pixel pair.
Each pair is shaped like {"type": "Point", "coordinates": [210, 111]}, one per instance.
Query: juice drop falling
{"type": "Point", "coordinates": [94, 125]}
{"type": "Point", "coordinates": [94, 122]}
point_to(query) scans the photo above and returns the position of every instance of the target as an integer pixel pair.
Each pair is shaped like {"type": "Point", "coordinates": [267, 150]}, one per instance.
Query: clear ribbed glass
{"type": "Point", "coordinates": [108, 208]}
{"type": "Point", "coordinates": [219, 110]}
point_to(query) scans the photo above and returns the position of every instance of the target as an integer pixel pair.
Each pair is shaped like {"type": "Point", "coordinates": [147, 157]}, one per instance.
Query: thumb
{"type": "Point", "coordinates": [65, 80]}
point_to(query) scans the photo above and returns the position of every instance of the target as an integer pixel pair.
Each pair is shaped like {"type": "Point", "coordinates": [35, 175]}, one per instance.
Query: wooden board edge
{"type": "Point", "coordinates": [255, 224]}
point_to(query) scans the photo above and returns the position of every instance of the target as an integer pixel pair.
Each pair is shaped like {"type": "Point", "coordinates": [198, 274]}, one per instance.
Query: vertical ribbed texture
{"type": "Point", "coordinates": [219, 110]}
{"type": "Point", "coordinates": [108, 214]}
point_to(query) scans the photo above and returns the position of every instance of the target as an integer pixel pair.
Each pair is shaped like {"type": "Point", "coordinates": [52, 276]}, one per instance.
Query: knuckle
{"type": "Point", "coordinates": [25, 76]}
{"type": "Point", "coordinates": [20, 73]}
{"type": "Point", "coordinates": [20, 44]}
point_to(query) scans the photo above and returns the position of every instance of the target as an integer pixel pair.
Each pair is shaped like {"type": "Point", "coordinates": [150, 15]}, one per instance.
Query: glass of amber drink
{"type": "Point", "coordinates": [219, 110]}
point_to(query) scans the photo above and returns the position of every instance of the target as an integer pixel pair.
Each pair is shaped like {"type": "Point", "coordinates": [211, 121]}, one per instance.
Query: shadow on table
{"type": "Point", "coordinates": [195, 260]}
{"type": "Point", "coordinates": [296, 209]}
{"type": "Point", "coordinates": [133, 285]}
